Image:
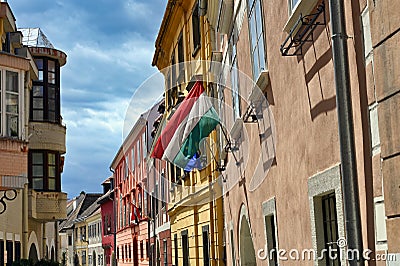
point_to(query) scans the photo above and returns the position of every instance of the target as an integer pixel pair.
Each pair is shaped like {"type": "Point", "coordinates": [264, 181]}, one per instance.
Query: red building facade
{"type": "Point", "coordinates": [108, 221]}
{"type": "Point", "coordinates": [131, 193]}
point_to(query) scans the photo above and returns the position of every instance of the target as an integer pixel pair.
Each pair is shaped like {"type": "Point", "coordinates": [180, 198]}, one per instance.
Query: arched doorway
{"type": "Point", "coordinates": [94, 258]}
{"type": "Point", "coordinates": [33, 253]}
{"type": "Point", "coordinates": [246, 246]}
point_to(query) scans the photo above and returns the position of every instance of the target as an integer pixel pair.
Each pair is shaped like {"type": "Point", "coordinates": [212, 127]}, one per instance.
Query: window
{"type": "Point", "coordinates": [162, 188]}
{"type": "Point", "coordinates": [138, 153]}
{"type": "Point", "coordinates": [44, 170]}
{"type": "Point", "coordinates": [120, 210]}
{"type": "Point", "coordinates": [140, 201]}
{"type": "Point", "coordinates": [124, 214]}
{"type": "Point", "coordinates": [330, 227]}
{"type": "Point", "coordinates": [45, 94]}
{"type": "Point", "coordinates": [176, 249]}
{"type": "Point", "coordinates": [206, 247]}
{"type": "Point", "coordinates": [141, 250]}
{"type": "Point", "coordinates": [271, 239]}
{"type": "Point", "coordinates": [256, 37]}
{"type": "Point", "coordinates": [145, 202]}
{"type": "Point", "coordinates": [12, 100]}
{"type": "Point", "coordinates": [70, 240]}
{"type": "Point", "coordinates": [147, 248]}
{"type": "Point", "coordinates": [144, 145]}
{"type": "Point", "coordinates": [83, 257]}
{"type": "Point", "coordinates": [196, 29]}
{"type": "Point", "coordinates": [234, 78]}
{"type": "Point", "coordinates": [165, 248]}
{"type": "Point", "coordinates": [185, 248]}
{"type": "Point", "coordinates": [126, 168]}
{"type": "Point", "coordinates": [292, 5]}
{"type": "Point", "coordinates": [181, 55]}
{"type": "Point", "coordinates": [10, 253]}
{"type": "Point", "coordinates": [9, 104]}
{"type": "Point", "coordinates": [233, 249]}
{"type": "Point", "coordinates": [133, 160]}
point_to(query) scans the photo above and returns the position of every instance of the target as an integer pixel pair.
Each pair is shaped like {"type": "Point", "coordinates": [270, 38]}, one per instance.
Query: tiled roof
{"type": "Point", "coordinates": [86, 204]}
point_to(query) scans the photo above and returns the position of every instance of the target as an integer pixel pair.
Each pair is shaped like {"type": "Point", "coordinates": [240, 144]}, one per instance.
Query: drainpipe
{"type": "Point", "coordinates": [346, 129]}
{"type": "Point", "coordinates": [25, 217]}
{"type": "Point", "coordinates": [115, 261]}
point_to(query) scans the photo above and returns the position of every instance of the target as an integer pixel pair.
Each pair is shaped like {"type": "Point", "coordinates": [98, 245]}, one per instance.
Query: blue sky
{"type": "Point", "coordinates": [110, 45]}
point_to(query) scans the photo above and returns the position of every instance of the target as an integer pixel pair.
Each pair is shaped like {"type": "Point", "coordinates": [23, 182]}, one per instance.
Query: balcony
{"type": "Point", "coordinates": [47, 136]}
{"type": "Point", "coordinates": [47, 206]}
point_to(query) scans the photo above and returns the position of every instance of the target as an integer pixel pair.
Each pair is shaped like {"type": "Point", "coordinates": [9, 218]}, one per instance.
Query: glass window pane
{"type": "Point", "coordinates": [39, 63]}
{"type": "Point", "coordinates": [52, 184]}
{"type": "Point", "coordinates": [51, 93]}
{"type": "Point", "coordinates": [51, 159]}
{"type": "Point", "coordinates": [52, 105]}
{"type": "Point", "coordinates": [37, 158]}
{"type": "Point", "coordinates": [52, 116]}
{"type": "Point", "coordinates": [37, 91]}
{"type": "Point", "coordinates": [40, 78]}
{"type": "Point", "coordinates": [12, 125]}
{"type": "Point", "coordinates": [256, 70]}
{"type": "Point", "coordinates": [12, 103]}
{"type": "Point", "coordinates": [37, 103]}
{"type": "Point", "coordinates": [52, 171]}
{"type": "Point", "coordinates": [250, 3]}
{"type": "Point", "coordinates": [37, 170]}
{"type": "Point", "coordinates": [258, 18]}
{"type": "Point", "coordinates": [37, 183]}
{"type": "Point", "coordinates": [253, 32]}
{"type": "Point", "coordinates": [37, 115]}
{"type": "Point", "coordinates": [12, 81]}
{"type": "Point", "coordinates": [261, 53]}
{"type": "Point", "coordinates": [293, 3]}
{"type": "Point", "coordinates": [51, 66]}
{"type": "Point", "coordinates": [51, 78]}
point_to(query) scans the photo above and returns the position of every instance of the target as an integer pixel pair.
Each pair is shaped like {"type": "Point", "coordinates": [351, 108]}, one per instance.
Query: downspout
{"type": "Point", "coordinates": [25, 222]}
{"type": "Point", "coordinates": [115, 260]}
{"type": "Point", "coordinates": [346, 129]}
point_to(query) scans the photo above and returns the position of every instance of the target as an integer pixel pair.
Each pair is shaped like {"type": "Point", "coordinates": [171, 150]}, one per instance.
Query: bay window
{"type": "Point", "coordinates": [44, 170]}
{"type": "Point", "coordinates": [45, 94]}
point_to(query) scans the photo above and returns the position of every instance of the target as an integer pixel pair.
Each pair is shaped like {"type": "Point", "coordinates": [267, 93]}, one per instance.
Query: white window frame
{"type": "Point", "coordinates": [291, 6]}
{"type": "Point", "coordinates": [3, 101]}
{"type": "Point", "coordinates": [250, 14]}
{"type": "Point", "coordinates": [234, 73]}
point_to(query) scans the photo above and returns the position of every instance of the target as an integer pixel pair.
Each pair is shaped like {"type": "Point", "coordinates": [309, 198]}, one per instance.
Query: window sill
{"type": "Point", "coordinates": [263, 80]}
{"type": "Point", "coordinates": [304, 7]}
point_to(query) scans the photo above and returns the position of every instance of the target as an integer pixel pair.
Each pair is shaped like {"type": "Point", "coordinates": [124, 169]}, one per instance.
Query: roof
{"type": "Point", "coordinates": [106, 197]}
{"type": "Point", "coordinates": [34, 37]}
{"type": "Point", "coordinates": [86, 204]}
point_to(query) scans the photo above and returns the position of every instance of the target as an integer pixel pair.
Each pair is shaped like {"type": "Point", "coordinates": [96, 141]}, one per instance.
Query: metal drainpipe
{"type": "Point", "coordinates": [346, 129]}
{"type": "Point", "coordinates": [115, 220]}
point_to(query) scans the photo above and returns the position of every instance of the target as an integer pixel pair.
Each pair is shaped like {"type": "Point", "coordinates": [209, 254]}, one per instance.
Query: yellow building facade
{"type": "Point", "coordinates": [183, 49]}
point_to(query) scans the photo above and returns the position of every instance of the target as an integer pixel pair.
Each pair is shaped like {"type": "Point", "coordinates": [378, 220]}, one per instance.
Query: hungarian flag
{"type": "Point", "coordinates": [194, 120]}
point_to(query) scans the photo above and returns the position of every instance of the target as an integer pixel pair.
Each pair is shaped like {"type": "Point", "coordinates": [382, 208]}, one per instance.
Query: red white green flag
{"type": "Point", "coordinates": [194, 120]}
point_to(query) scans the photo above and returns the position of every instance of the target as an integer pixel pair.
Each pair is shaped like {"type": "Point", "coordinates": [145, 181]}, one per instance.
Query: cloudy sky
{"type": "Point", "coordinates": [110, 45]}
